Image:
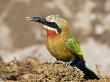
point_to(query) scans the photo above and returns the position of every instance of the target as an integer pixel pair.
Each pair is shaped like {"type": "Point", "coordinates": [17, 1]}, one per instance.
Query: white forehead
{"type": "Point", "coordinates": [51, 18]}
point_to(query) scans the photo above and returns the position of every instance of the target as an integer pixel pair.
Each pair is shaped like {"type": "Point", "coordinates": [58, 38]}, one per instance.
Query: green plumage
{"type": "Point", "coordinates": [64, 47]}
{"type": "Point", "coordinates": [74, 47]}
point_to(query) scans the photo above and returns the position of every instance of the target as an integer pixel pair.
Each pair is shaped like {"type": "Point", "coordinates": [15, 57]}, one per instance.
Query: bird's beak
{"type": "Point", "coordinates": [37, 19]}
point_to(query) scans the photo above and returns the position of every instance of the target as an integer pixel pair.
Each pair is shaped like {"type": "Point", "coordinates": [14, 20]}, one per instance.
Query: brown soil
{"type": "Point", "coordinates": [31, 70]}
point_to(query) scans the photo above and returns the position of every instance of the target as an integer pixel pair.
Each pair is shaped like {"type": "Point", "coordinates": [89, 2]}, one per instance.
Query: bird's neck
{"type": "Point", "coordinates": [50, 33]}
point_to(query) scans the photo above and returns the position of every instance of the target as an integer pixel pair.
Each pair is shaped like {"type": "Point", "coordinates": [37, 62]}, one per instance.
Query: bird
{"type": "Point", "coordinates": [62, 44]}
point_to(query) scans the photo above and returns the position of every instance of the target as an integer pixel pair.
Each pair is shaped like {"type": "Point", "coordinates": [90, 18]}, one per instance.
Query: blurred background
{"type": "Point", "coordinates": [89, 21]}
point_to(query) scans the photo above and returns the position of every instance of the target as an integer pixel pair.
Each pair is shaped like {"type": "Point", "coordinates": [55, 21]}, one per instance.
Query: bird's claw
{"type": "Point", "coordinates": [67, 64]}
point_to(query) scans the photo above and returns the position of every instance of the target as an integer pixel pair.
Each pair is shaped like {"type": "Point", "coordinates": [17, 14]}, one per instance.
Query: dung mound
{"type": "Point", "coordinates": [30, 70]}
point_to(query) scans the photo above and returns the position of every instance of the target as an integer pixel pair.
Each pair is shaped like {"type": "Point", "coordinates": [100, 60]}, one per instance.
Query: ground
{"type": "Point", "coordinates": [31, 70]}
{"type": "Point", "coordinates": [89, 21]}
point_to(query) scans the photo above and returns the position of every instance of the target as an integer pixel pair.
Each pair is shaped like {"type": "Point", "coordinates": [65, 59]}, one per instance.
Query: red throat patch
{"type": "Point", "coordinates": [50, 33]}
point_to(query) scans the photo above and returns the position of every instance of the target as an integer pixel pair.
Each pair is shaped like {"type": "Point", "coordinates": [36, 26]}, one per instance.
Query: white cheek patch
{"type": "Point", "coordinates": [50, 28]}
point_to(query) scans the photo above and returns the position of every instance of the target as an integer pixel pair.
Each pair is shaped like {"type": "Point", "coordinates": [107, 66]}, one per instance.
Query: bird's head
{"type": "Point", "coordinates": [53, 24]}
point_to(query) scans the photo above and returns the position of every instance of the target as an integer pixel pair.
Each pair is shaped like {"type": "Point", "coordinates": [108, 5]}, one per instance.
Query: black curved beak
{"type": "Point", "coordinates": [41, 20]}
{"type": "Point", "coordinates": [37, 19]}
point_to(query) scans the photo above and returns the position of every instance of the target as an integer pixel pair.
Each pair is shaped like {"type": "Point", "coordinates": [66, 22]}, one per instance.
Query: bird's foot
{"type": "Point", "coordinates": [67, 64]}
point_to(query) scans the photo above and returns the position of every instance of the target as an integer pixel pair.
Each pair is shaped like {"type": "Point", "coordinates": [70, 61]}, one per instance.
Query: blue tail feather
{"type": "Point", "coordinates": [81, 65]}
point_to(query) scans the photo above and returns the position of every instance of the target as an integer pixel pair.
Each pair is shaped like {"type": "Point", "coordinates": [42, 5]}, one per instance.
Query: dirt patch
{"type": "Point", "coordinates": [31, 70]}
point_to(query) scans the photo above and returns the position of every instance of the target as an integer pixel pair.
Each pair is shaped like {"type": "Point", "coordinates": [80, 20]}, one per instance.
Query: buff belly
{"type": "Point", "coordinates": [59, 51]}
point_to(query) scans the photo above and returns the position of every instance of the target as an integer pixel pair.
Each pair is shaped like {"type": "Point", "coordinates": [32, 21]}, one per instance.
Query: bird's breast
{"type": "Point", "coordinates": [51, 33]}
{"type": "Point", "coordinates": [58, 49]}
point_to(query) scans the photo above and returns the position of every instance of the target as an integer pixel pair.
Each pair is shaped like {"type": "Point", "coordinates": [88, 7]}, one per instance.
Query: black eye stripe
{"type": "Point", "coordinates": [45, 22]}
{"type": "Point", "coordinates": [53, 25]}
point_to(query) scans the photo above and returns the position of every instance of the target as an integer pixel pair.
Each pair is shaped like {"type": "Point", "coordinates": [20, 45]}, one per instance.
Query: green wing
{"type": "Point", "coordinates": [74, 47]}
